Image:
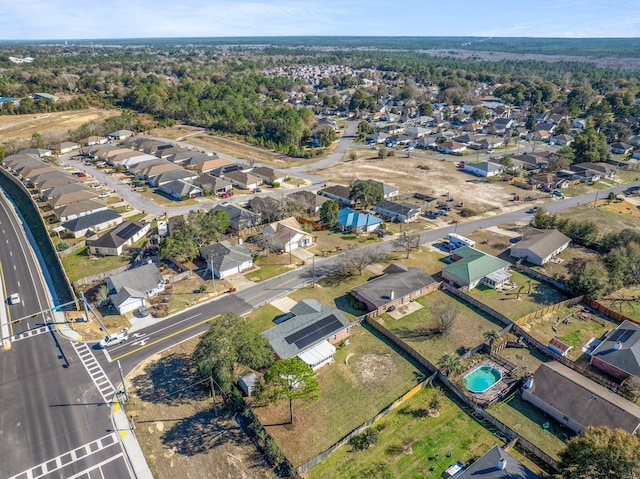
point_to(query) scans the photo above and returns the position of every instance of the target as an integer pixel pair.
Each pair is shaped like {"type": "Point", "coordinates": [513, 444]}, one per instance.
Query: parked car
{"type": "Point", "coordinates": [532, 210]}
{"type": "Point", "coordinates": [143, 311]}
{"type": "Point", "coordinates": [530, 198]}
{"type": "Point", "coordinates": [113, 339]}
{"type": "Point", "coordinates": [224, 203]}
{"type": "Point", "coordinates": [558, 193]}
{"type": "Point", "coordinates": [442, 212]}
{"type": "Point", "coordinates": [106, 194]}
{"type": "Point", "coordinates": [14, 298]}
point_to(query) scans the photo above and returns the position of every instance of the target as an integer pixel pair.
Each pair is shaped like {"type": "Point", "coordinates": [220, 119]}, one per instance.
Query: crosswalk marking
{"type": "Point", "coordinates": [94, 369]}
{"type": "Point", "coordinates": [31, 332]}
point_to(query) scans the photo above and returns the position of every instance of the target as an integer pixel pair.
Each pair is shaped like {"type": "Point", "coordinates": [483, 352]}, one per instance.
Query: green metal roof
{"type": "Point", "coordinates": [473, 264]}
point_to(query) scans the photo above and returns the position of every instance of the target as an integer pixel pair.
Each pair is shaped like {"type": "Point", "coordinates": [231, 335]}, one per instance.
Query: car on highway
{"type": "Point", "coordinates": [113, 339]}
{"type": "Point", "coordinates": [14, 298]}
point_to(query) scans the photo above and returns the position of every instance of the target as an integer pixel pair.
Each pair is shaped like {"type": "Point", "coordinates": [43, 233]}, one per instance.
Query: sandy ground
{"type": "Point", "coordinates": [53, 125]}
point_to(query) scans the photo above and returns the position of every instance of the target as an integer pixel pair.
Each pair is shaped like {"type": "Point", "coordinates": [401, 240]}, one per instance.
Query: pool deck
{"type": "Point", "coordinates": [494, 391]}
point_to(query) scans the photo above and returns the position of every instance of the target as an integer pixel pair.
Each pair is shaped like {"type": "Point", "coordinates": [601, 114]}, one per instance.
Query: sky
{"type": "Point", "coordinates": [102, 19]}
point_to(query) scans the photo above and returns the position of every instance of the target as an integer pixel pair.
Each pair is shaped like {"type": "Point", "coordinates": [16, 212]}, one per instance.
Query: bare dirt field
{"type": "Point", "coordinates": [430, 177]}
{"type": "Point", "coordinates": [180, 432]}
{"type": "Point", "coordinates": [57, 124]}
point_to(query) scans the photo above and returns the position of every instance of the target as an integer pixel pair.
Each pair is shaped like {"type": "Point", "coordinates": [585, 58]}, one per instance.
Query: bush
{"type": "Point", "coordinates": [467, 212]}
{"type": "Point", "coordinates": [203, 288]}
{"type": "Point", "coordinates": [365, 440]}
{"type": "Point", "coordinates": [62, 246]}
{"type": "Point", "coordinates": [275, 184]}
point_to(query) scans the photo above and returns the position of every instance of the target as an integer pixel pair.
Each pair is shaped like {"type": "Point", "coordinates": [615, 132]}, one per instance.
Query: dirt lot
{"type": "Point", "coordinates": [52, 125]}
{"type": "Point", "coordinates": [178, 429]}
{"type": "Point", "coordinates": [430, 177]}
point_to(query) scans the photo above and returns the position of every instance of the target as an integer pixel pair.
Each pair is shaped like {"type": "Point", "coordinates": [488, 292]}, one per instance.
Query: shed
{"type": "Point", "coordinates": [248, 382]}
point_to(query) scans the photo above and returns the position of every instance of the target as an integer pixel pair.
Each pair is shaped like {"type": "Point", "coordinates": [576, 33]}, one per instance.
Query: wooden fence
{"type": "Point", "coordinates": [97, 277]}
{"type": "Point", "coordinates": [601, 308]}
{"type": "Point", "coordinates": [72, 249]}
{"type": "Point", "coordinates": [550, 309]}
{"type": "Point", "coordinates": [535, 274]}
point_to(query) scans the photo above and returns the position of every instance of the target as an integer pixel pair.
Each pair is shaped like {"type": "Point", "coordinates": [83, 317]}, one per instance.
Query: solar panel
{"type": "Point", "coordinates": [314, 332]}
{"type": "Point", "coordinates": [128, 231]}
{"type": "Point", "coordinates": [621, 335]}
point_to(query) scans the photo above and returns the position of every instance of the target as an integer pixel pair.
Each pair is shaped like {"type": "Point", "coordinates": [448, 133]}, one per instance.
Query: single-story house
{"type": "Point", "coordinates": [65, 147]}
{"type": "Point", "coordinates": [179, 189]}
{"type": "Point", "coordinates": [241, 218]}
{"type": "Point", "coordinates": [213, 184]}
{"type": "Point", "coordinates": [397, 285]}
{"type": "Point", "coordinates": [484, 168]}
{"type": "Point", "coordinates": [388, 191]}
{"type": "Point", "coordinates": [41, 152]}
{"type": "Point", "coordinates": [418, 132]}
{"type": "Point", "coordinates": [287, 234]}
{"type": "Point", "coordinates": [495, 464]}
{"type": "Point", "coordinates": [472, 267]}
{"type": "Point", "coordinates": [95, 222]}
{"type": "Point", "coordinates": [93, 140]}
{"type": "Point", "coordinates": [619, 354]}
{"type": "Point", "coordinates": [120, 134]}
{"type": "Point", "coordinates": [146, 170]}
{"type": "Point", "coordinates": [203, 163]}
{"type": "Point", "coordinates": [310, 334]}
{"type": "Point", "coordinates": [339, 193]}
{"type": "Point", "coordinates": [402, 212]}
{"type": "Point", "coordinates": [115, 241]}
{"type": "Point", "coordinates": [10, 160]}
{"type": "Point", "coordinates": [78, 209]}
{"type": "Point", "coordinates": [308, 201]}
{"type": "Point", "coordinates": [620, 148]}
{"type": "Point", "coordinates": [52, 179]}
{"type": "Point", "coordinates": [169, 176]}
{"type": "Point", "coordinates": [269, 175]}
{"type": "Point", "coordinates": [357, 222]}
{"type": "Point", "coordinates": [548, 181]}
{"type": "Point", "coordinates": [540, 246]}
{"type": "Point", "coordinates": [62, 199]}
{"type": "Point", "coordinates": [588, 169]}
{"type": "Point", "coordinates": [561, 140]}
{"type": "Point", "coordinates": [451, 147]}
{"type": "Point", "coordinates": [58, 190]}
{"type": "Point", "coordinates": [130, 288]}
{"type": "Point", "coordinates": [226, 259]}
{"type": "Point", "coordinates": [579, 123]}
{"type": "Point", "coordinates": [242, 180]}
{"type": "Point", "coordinates": [577, 402]}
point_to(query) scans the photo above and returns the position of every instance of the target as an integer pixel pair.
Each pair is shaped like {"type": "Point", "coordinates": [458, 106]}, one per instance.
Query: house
{"type": "Point", "coordinates": [58, 190]}
{"type": "Point", "coordinates": [241, 218]}
{"type": "Point", "coordinates": [120, 135]}
{"type": "Point", "coordinates": [357, 222]}
{"type": "Point", "coordinates": [226, 259]}
{"type": "Point", "coordinates": [242, 180]}
{"type": "Point", "coordinates": [495, 464]}
{"type": "Point", "coordinates": [64, 147]}
{"type": "Point", "coordinates": [561, 140]}
{"type": "Point", "coordinates": [339, 193]}
{"type": "Point", "coordinates": [310, 334]}
{"type": "Point", "coordinates": [78, 208]}
{"type": "Point", "coordinates": [63, 199]}
{"type": "Point", "coordinates": [388, 191]}
{"type": "Point", "coordinates": [51, 179]}
{"type": "Point", "coordinates": [169, 176]}
{"type": "Point", "coordinates": [18, 157]}
{"type": "Point", "coordinates": [287, 235]}
{"type": "Point", "coordinates": [95, 222]}
{"type": "Point", "coordinates": [540, 246]}
{"type": "Point", "coordinates": [269, 175]}
{"type": "Point", "coordinates": [115, 241]}
{"type": "Point", "coordinates": [146, 170]}
{"type": "Point", "coordinates": [588, 170]}
{"type": "Point", "coordinates": [203, 163]}
{"type": "Point", "coordinates": [472, 267]}
{"type": "Point", "coordinates": [579, 123]}
{"type": "Point", "coordinates": [451, 147]}
{"type": "Point", "coordinates": [548, 181]}
{"type": "Point", "coordinates": [93, 140]}
{"type": "Point", "coordinates": [397, 285]}
{"type": "Point", "coordinates": [501, 124]}
{"type": "Point", "coordinates": [213, 184]}
{"type": "Point", "coordinates": [378, 138]}
{"type": "Point", "coordinates": [619, 353]}
{"type": "Point", "coordinates": [130, 288]}
{"type": "Point", "coordinates": [179, 189]}
{"type": "Point", "coordinates": [417, 132]}
{"type": "Point", "coordinates": [577, 402]}
{"type": "Point", "coordinates": [308, 201]}
{"type": "Point", "coordinates": [540, 135]}
{"type": "Point", "coordinates": [484, 168]}
{"type": "Point", "coordinates": [41, 152]}
{"type": "Point", "coordinates": [401, 212]}
{"type": "Point", "coordinates": [620, 148]}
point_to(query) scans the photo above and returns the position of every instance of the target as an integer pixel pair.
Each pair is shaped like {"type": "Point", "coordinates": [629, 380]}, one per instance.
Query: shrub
{"type": "Point", "coordinates": [62, 246]}
{"type": "Point", "coordinates": [368, 438]}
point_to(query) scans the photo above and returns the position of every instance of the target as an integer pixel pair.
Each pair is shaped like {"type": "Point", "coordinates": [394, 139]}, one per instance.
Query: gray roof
{"type": "Point", "coordinates": [386, 188]}
{"type": "Point", "coordinates": [627, 358]}
{"type": "Point", "coordinates": [308, 199]}
{"type": "Point", "coordinates": [336, 190]}
{"type": "Point", "coordinates": [224, 255]}
{"type": "Point", "coordinates": [143, 278]}
{"type": "Point", "coordinates": [168, 176]}
{"type": "Point", "coordinates": [487, 467]}
{"type": "Point", "coordinates": [583, 400]}
{"type": "Point", "coordinates": [211, 183]}
{"type": "Point", "coordinates": [55, 191]}
{"type": "Point", "coordinates": [543, 242]}
{"type": "Point", "coordinates": [181, 187]}
{"type": "Point", "coordinates": [311, 324]}
{"type": "Point", "coordinates": [241, 218]}
{"type": "Point", "coordinates": [397, 278]}
{"type": "Point", "coordinates": [399, 208]}
{"type": "Point", "coordinates": [118, 235]}
{"type": "Point", "coordinates": [89, 221]}
{"type": "Point", "coordinates": [123, 294]}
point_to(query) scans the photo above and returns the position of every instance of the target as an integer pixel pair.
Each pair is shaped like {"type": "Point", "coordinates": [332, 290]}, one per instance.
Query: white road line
{"type": "Point", "coordinates": [30, 332]}
{"type": "Point", "coordinates": [95, 371]}
{"type": "Point", "coordinates": [97, 466]}
{"type": "Point", "coordinates": [70, 457]}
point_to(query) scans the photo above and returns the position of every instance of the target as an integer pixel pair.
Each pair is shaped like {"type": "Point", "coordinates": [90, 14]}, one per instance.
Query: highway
{"type": "Point", "coordinates": [53, 423]}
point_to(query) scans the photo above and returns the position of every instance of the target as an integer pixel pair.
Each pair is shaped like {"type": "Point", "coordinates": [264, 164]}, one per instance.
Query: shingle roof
{"type": "Point", "coordinates": [225, 256]}
{"type": "Point", "coordinates": [581, 399]}
{"type": "Point", "coordinates": [143, 278]}
{"type": "Point", "coordinates": [627, 358]}
{"type": "Point", "coordinates": [543, 242]}
{"type": "Point", "coordinates": [487, 467]}
{"type": "Point", "coordinates": [124, 294]}
{"type": "Point", "coordinates": [89, 221]}
{"type": "Point", "coordinates": [118, 235]}
{"type": "Point", "coordinates": [337, 190]}
{"type": "Point", "coordinates": [474, 264]}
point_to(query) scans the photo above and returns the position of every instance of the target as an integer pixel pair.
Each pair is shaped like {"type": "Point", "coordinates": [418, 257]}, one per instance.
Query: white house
{"type": "Point", "coordinates": [226, 259]}
{"type": "Point", "coordinates": [130, 288]}
{"type": "Point", "coordinates": [484, 168]}
{"type": "Point", "coordinates": [288, 235]}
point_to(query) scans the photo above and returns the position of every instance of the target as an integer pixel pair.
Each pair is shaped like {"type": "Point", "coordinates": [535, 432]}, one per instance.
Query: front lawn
{"type": "Point", "coordinates": [409, 442]}
{"type": "Point", "coordinates": [467, 332]}
{"type": "Point", "coordinates": [366, 376]}
{"type": "Point", "coordinates": [271, 265]}
{"type": "Point", "coordinates": [262, 317]}
{"type": "Point", "coordinates": [528, 296]}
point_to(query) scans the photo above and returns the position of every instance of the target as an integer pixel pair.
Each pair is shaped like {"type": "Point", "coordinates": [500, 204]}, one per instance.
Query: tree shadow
{"type": "Point", "coordinates": [417, 334]}
{"type": "Point", "coordinates": [170, 381]}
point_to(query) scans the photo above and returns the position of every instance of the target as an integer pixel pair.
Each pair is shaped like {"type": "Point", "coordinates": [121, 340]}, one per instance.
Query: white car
{"type": "Point", "coordinates": [114, 339]}
{"type": "Point", "coordinates": [224, 203]}
{"type": "Point", "coordinates": [106, 194]}
{"type": "Point", "coordinates": [14, 298]}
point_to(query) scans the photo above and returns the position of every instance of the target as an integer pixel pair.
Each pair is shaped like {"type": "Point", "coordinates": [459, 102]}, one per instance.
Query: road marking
{"type": "Point", "coordinates": [95, 371]}
{"type": "Point", "coordinates": [74, 455]}
{"type": "Point", "coordinates": [164, 338]}
{"type": "Point", "coordinates": [30, 332]}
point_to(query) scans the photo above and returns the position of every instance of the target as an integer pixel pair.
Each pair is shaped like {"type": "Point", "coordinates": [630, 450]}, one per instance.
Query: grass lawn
{"type": "Point", "coordinates": [624, 301]}
{"type": "Point", "coordinates": [186, 293]}
{"type": "Point", "coordinates": [79, 265]}
{"type": "Point", "coordinates": [328, 242]}
{"type": "Point", "coordinates": [427, 437]}
{"type": "Point", "coordinates": [527, 421]}
{"type": "Point", "coordinates": [428, 259]}
{"type": "Point", "coordinates": [514, 306]}
{"type": "Point", "coordinates": [262, 317]}
{"type": "Point", "coordinates": [271, 265]}
{"type": "Point", "coordinates": [608, 219]}
{"type": "Point", "coordinates": [467, 332]}
{"type": "Point", "coordinates": [489, 241]}
{"type": "Point", "coordinates": [580, 327]}
{"type": "Point", "coordinates": [351, 391]}
{"type": "Point", "coordinates": [160, 198]}
{"type": "Point", "coordinates": [569, 256]}
{"type": "Point", "coordinates": [527, 360]}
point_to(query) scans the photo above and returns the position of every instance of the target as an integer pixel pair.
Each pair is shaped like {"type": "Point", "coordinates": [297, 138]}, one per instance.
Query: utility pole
{"type": "Point", "coordinates": [124, 385]}
{"type": "Point", "coordinates": [213, 276]}
{"type": "Point", "coordinates": [290, 248]}
{"type": "Point", "coordinates": [313, 269]}
{"type": "Point", "coordinates": [595, 202]}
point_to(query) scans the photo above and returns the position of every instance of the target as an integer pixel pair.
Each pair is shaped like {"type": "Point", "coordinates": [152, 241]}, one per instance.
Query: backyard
{"type": "Point", "coordinates": [467, 332]}
{"type": "Point", "coordinates": [528, 296]}
{"type": "Point", "coordinates": [80, 265]}
{"type": "Point", "coordinates": [624, 301]}
{"type": "Point", "coordinates": [366, 376]}
{"type": "Point", "coordinates": [412, 444]}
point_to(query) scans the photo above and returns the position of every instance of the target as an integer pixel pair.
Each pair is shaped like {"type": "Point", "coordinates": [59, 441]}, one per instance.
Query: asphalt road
{"type": "Point", "coordinates": [49, 405]}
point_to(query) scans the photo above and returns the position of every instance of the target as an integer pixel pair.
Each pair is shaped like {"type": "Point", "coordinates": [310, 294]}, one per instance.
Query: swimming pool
{"type": "Point", "coordinates": [482, 378]}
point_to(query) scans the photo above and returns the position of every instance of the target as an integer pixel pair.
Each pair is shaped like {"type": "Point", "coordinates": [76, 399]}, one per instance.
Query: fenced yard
{"type": "Point", "coordinates": [528, 296]}
{"type": "Point", "coordinates": [466, 333]}
{"type": "Point", "coordinates": [624, 301]}
{"type": "Point", "coordinates": [366, 376]}
{"type": "Point", "coordinates": [80, 265]}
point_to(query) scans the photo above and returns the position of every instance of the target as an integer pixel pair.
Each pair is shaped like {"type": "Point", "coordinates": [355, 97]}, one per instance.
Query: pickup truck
{"type": "Point", "coordinates": [113, 339]}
